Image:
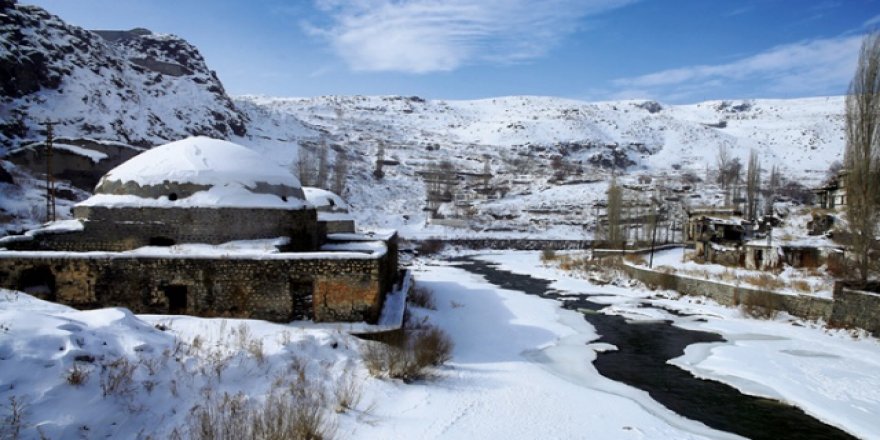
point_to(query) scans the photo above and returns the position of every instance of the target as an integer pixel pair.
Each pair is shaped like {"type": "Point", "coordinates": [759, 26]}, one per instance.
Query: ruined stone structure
{"type": "Point", "coordinates": [185, 228]}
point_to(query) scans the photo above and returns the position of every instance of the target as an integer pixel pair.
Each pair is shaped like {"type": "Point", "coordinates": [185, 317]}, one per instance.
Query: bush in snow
{"type": "Point", "coordinates": [548, 254]}
{"type": "Point", "coordinates": [294, 412]}
{"type": "Point", "coordinates": [408, 354]}
{"type": "Point", "coordinates": [421, 297]}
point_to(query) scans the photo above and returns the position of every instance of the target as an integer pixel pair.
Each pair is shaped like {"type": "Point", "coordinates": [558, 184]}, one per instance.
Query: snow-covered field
{"type": "Point", "coordinates": [521, 366]}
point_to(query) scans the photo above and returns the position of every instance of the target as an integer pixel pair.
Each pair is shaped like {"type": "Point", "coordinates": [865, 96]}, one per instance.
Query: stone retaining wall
{"type": "Point", "coordinates": [517, 244]}
{"type": "Point", "coordinates": [271, 289]}
{"type": "Point", "coordinates": [849, 308]}
{"type": "Point", "coordinates": [856, 308]}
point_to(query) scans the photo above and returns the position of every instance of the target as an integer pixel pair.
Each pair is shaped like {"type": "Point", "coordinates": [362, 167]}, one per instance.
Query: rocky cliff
{"type": "Point", "coordinates": [133, 86]}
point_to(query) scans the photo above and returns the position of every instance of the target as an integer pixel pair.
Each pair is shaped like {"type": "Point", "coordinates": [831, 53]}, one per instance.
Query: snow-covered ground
{"type": "Point", "coordinates": [830, 374]}
{"type": "Point", "coordinates": [814, 283]}
{"type": "Point", "coordinates": [521, 366]}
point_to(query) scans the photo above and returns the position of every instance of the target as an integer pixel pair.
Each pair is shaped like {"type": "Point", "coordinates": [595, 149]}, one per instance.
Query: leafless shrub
{"type": "Point", "coordinates": [422, 297]}
{"type": "Point", "coordinates": [13, 421]}
{"type": "Point", "coordinates": [243, 336]}
{"type": "Point", "coordinates": [407, 354]}
{"type": "Point", "coordinates": [117, 377]}
{"type": "Point", "coordinates": [348, 393]}
{"type": "Point", "coordinates": [220, 419]}
{"type": "Point", "coordinates": [283, 415]}
{"type": "Point", "coordinates": [77, 375]}
{"type": "Point", "coordinates": [432, 346]}
{"type": "Point", "coordinates": [255, 348]}
{"type": "Point", "coordinates": [430, 247]}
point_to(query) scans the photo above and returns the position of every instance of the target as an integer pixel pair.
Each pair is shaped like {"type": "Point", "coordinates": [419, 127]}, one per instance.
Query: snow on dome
{"type": "Point", "coordinates": [202, 161]}
{"type": "Point", "coordinates": [180, 169]}
{"type": "Point", "coordinates": [325, 200]}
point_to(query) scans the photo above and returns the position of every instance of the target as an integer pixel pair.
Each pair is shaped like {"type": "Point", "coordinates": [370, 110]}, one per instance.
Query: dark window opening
{"type": "Point", "coordinates": [161, 241]}
{"type": "Point", "coordinates": [176, 296]}
{"type": "Point", "coordinates": [38, 281]}
{"type": "Point", "coordinates": [172, 196]}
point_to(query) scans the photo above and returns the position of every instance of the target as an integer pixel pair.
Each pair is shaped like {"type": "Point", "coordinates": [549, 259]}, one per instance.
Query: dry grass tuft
{"type": "Point", "coordinates": [801, 286]}
{"type": "Point", "coordinates": [77, 375]}
{"type": "Point", "coordinates": [422, 297]}
{"type": "Point", "coordinates": [635, 259]}
{"type": "Point", "coordinates": [284, 415]}
{"type": "Point", "coordinates": [765, 281]}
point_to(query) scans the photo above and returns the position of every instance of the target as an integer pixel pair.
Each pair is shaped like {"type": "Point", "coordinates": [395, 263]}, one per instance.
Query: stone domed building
{"type": "Point", "coordinates": [206, 227]}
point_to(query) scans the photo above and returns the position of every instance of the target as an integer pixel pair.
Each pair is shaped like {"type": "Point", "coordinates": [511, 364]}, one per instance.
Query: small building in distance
{"type": "Point", "coordinates": [832, 195]}
{"type": "Point", "coordinates": [209, 228]}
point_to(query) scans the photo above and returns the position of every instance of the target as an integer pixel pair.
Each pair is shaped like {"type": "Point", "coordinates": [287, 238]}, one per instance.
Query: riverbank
{"type": "Point", "coordinates": [830, 373]}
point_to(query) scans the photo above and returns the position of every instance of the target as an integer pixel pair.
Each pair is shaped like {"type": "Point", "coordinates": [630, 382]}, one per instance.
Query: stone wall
{"type": "Point", "coordinates": [121, 229]}
{"type": "Point", "coordinates": [514, 244]}
{"type": "Point", "coordinates": [856, 308]}
{"type": "Point", "coordinates": [849, 308]}
{"type": "Point", "coordinates": [798, 305]}
{"type": "Point", "coordinates": [271, 289]}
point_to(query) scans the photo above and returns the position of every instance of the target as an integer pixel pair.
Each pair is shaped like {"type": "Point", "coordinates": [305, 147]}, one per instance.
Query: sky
{"type": "Point", "coordinates": [673, 51]}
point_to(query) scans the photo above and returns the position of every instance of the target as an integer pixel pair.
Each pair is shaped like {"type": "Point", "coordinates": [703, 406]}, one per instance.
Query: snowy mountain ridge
{"type": "Point", "coordinates": [127, 86]}
{"type": "Point", "coordinates": [802, 135]}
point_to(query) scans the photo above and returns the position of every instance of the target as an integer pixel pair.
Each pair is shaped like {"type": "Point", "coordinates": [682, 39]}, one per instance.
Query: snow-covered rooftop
{"type": "Point", "coordinates": [203, 161]}
{"type": "Point", "coordinates": [325, 200]}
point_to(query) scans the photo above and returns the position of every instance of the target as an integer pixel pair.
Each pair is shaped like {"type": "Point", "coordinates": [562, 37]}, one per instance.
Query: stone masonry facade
{"type": "Point", "coordinates": [116, 230]}
{"type": "Point", "coordinates": [342, 289]}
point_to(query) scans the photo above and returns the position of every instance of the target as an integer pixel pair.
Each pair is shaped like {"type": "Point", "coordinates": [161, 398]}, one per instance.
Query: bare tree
{"type": "Point", "coordinates": [753, 186]}
{"type": "Point", "coordinates": [378, 173]}
{"type": "Point", "coordinates": [306, 167]}
{"type": "Point", "coordinates": [615, 213]}
{"type": "Point", "coordinates": [723, 159]}
{"type": "Point", "coordinates": [862, 152]}
{"type": "Point", "coordinates": [772, 189]}
{"type": "Point", "coordinates": [340, 173]}
{"type": "Point", "coordinates": [322, 173]}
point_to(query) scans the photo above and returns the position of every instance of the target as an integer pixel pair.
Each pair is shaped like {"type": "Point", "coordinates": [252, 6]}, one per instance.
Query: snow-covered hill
{"type": "Point", "coordinates": [550, 157]}
{"type": "Point", "coordinates": [132, 86]}
{"type": "Point", "coordinates": [801, 135]}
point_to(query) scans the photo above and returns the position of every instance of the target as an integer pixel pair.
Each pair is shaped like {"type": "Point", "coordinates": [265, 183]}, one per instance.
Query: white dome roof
{"type": "Point", "coordinates": [202, 161]}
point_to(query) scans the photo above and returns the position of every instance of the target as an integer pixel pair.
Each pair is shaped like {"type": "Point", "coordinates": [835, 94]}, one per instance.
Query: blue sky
{"type": "Point", "coordinates": [674, 51]}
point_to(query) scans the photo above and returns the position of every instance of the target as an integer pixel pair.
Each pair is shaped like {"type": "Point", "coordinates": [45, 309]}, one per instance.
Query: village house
{"type": "Point", "coordinates": [210, 228]}
{"type": "Point", "coordinates": [833, 194]}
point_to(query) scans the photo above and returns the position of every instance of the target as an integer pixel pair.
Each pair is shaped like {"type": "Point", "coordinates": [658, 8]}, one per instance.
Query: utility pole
{"type": "Point", "coordinates": [50, 179]}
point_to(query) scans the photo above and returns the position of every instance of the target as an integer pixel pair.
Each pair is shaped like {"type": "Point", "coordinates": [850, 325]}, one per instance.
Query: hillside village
{"type": "Point", "coordinates": [178, 262]}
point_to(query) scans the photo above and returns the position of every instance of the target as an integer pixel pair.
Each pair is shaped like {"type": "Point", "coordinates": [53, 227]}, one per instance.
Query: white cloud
{"type": "Point", "coordinates": [807, 67]}
{"type": "Point", "coordinates": [420, 36]}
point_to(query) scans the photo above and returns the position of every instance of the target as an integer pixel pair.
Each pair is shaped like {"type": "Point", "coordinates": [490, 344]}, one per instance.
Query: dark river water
{"type": "Point", "coordinates": [640, 361]}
